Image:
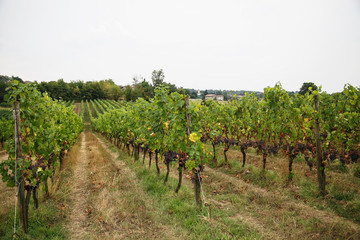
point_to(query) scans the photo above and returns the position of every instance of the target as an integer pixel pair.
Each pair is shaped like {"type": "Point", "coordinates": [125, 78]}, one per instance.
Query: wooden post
{"type": "Point", "coordinates": [19, 182]}
{"type": "Point", "coordinates": [182, 155]}
{"type": "Point", "coordinates": [196, 177]}
{"type": "Point", "coordinates": [319, 164]}
{"type": "Point", "coordinates": [197, 188]}
{"type": "Point", "coordinates": [188, 118]}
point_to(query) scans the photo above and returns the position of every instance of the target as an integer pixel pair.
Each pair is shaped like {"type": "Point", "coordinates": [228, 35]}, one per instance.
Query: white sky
{"type": "Point", "coordinates": [201, 44]}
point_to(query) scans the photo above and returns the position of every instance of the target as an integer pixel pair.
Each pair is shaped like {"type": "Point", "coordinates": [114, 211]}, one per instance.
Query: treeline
{"type": "Point", "coordinates": [107, 89]}
{"type": "Point", "coordinates": [103, 89]}
{"type": "Point", "coordinates": [79, 90]}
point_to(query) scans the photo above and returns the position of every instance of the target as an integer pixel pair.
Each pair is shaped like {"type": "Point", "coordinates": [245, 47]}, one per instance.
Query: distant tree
{"type": "Point", "coordinates": [157, 77]}
{"type": "Point", "coordinates": [305, 87]}
{"type": "Point", "coordinates": [96, 90]}
{"type": "Point", "coordinates": [205, 93]}
{"type": "Point", "coordinates": [64, 92]}
{"type": "Point", "coordinates": [3, 86]}
{"type": "Point", "coordinates": [76, 89]}
{"type": "Point", "coordinates": [85, 91]}
{"type": "Point", "coordinates": [193, 95]}
{"type": "Point", "coordinates": [291, 93]}
{"type": "Point", "coordinates": [115, 92]}
{"type": "Point", "coordinates": [17, 79]}
{"type": "Point", "coordinates": [136, 80]}
{"type": "Point", "coordinates": [4, 79]}
{"type": "Point", "coordinates": [106, 86]}
{"type": "Point", "coordinates": [128, 93]}
{"type": "Point", "coordinates": [148, 90]}
{"type": "Point", "coordinates": [172, 87]}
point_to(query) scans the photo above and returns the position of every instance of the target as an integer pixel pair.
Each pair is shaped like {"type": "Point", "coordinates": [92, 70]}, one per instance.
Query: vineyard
{"type": "Point", "coordinates": [279, 167]}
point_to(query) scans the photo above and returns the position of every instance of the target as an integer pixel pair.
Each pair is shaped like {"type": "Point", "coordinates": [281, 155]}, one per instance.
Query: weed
{"type": "Point", "coordinates": [44, 223]}
{"type": "Point", "coordinates": [337, 166]}
{"type": "Point", "coordinates": [341, 193]}
{"type": "Point", "coordinates": [308, 189]}
{"type": "Point", "coordinates": [357, 171]}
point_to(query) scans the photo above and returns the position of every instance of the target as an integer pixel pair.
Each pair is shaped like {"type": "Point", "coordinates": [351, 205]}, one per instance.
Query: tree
{"type": "Point", "coordinates": [3, 86]}
{"type": "Point", "coordinates": [17, 79]}
{"type": "Point", "coordinates": [4, 83]}
{"type": "Point", "coordinates": [205, 93]}
{"type": "Point", "coordinates": [157, 77]}
{"type": "Point", "coordinates": [4, 79]}
{"type": "Point", "coordinates": [147, 89]}
{"type": "Point", "coordinates": [128, 92]}
{"type": "Point", "coordinates": [115, 92]}
{"type": "Point", "coordinates": [305, 87]}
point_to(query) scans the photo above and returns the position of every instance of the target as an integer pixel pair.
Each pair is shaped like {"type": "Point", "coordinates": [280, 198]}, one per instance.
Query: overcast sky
{"type": "Point", "coordinates": [201, 44]}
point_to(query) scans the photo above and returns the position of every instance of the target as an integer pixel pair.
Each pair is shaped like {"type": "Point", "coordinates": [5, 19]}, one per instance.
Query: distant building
{"type": "Point", "coordinates": [220, 97]}
{"type": "Point", "coordinates": [199, 93]}
{"type": "Point", "coordinates": [214, 97]}
{"type": "Point", "coordinates": [210, 96]}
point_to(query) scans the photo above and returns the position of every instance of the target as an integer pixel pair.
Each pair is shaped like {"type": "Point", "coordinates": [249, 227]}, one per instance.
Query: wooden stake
{"type": "Point", "coordinates": [20, 189]}
{"type": "Point", "coordinates": [319, 165]}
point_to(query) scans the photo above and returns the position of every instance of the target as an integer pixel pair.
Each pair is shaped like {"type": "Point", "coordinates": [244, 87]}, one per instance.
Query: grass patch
{"type": "Point", "coordinates": [344, 202]}
{"type": "Point", "coordinates": [337, 166]}
{"type": "Point", "coordinates": [357, 171]}
{"type": "Point", "coordinates": [308, 189]}
{"type": "Point", "coordinates": [231, 200]}
{"type": "Point", "coordinates": [44, 223]}
{"type": "Point", "coordinates": [341, 193]}
{"type": "Point", "coordinates": [180, 209]}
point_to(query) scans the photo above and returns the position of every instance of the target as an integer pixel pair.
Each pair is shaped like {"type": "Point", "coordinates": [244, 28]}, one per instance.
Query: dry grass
{"type": "Point", "coordinates": [121, 204]}
{"type": "Point", "coordinates": [7, 194]}
{"type": "Point", "coordinates": [77, 108]}
{"type": "Point", "coordinates": [290, 218]}
{"type": "Point", "coordinates": [279, 205]}
{"type": "Point", "coordinates": [102, 196]}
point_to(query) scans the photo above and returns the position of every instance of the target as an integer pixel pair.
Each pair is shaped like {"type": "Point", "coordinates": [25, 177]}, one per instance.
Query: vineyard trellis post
{"type": "Point", "coordinates": [196, 176]}
{"type": "Point", "coordinates": [319, 164]}
{"type": "Point", "coordinates": [20, 189]}
{"type": "Point", "coordinates": [181, 154]}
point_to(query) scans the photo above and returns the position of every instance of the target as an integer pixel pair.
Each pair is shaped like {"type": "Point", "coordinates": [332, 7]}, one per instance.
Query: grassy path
{"type": "Point", "coordinates": [7, 196]}
{"type": "Point", "coordinates": [105, 201]}
{"type": "Point", "coordinates": [79, 194]}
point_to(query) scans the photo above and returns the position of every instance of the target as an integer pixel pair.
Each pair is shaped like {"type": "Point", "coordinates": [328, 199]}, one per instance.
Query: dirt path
{"type": "Point", "coordinates": [105, 200]}
{"type": "Point", "coordinates": [77, 108]}
{"type": "Point", "coordinates": [7, 196]}
{"type": "Point", "coordinates": [80, 192]}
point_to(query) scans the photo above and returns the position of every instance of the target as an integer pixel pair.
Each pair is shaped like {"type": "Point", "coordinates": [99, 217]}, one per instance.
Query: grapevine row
{"type": "Point", "coordinates": [47, 129]}
{"type": "Point", "coordinates": [277, 124]}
